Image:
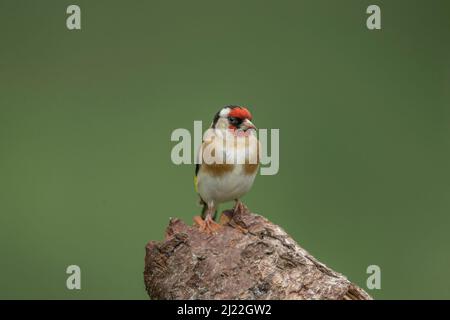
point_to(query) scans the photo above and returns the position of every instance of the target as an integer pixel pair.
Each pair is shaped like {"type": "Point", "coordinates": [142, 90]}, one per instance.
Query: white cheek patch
{"type": "Point", "coordinates": [222, 123]}
{"type": "Point", "coordinates": [224, 112]}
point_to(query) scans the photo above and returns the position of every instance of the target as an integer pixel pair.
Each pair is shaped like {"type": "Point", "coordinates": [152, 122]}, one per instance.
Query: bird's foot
{"type": "Point", "coordinates": [208, 225]}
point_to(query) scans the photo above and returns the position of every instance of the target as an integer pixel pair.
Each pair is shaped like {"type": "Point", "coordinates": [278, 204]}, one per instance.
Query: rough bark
{"type": "Point", "coordinates": [249, 258]}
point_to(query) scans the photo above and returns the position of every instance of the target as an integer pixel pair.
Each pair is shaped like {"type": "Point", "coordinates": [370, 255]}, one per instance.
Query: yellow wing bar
{"type": "Point", "coordinates": [195, 183]}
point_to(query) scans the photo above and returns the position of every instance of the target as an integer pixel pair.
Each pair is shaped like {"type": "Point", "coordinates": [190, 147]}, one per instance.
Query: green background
{"type": "Point", "coordinates": [86, 117]}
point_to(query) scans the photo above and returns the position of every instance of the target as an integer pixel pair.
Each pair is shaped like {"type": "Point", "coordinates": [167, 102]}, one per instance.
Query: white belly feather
{"type": "Point", "coordinates": [226, 187]}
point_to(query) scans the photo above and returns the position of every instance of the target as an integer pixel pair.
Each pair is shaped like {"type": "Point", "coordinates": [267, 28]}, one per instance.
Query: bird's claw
{"type": "Point", "coordinates": [208, 225]}
{"type": "Point", "coordinates": [199, 221]}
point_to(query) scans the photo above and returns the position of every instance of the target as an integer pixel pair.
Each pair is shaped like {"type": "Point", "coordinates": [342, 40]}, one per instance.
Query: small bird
{"type": "Point", "coordinates": [229, 161]}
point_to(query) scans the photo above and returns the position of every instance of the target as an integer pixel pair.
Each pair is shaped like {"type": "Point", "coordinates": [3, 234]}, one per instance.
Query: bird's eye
{"type": "Point", "coordinates": [234, 121]}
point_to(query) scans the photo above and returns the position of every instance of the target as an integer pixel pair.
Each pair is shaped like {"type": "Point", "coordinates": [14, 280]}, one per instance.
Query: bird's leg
{"type": "Point", "coordinates": [208, 225]}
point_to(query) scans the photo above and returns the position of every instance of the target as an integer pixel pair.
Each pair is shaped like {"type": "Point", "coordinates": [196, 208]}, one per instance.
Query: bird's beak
{"type": "Point", "coordinates": [247, 124]}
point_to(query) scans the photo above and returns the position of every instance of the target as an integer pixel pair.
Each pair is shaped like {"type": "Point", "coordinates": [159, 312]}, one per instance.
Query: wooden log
{"type": "Point", "coordinates": [249, 258]}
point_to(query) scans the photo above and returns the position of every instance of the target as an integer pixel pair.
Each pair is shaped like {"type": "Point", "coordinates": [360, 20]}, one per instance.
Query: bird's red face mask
{"type": "Point", "coordinates": [239, 121]}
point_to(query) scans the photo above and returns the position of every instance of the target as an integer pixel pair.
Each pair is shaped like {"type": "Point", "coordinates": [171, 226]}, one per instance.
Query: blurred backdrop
{"type": "Point", "coordinates": [86, 117]}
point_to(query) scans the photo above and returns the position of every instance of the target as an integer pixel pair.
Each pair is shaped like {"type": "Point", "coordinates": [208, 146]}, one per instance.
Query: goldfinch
{"type": "Point", "coordinates": [228, 162]}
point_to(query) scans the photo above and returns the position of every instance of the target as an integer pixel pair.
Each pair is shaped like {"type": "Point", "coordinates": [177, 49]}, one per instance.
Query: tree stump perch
{"type": "Point", "coordinates": [249, 258]}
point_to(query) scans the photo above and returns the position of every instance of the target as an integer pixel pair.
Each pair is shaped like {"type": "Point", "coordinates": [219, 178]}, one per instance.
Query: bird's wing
{"type": "Point", "coordinates": [197, 168]}
{"type": "Point", "coordinates": [198, 165]}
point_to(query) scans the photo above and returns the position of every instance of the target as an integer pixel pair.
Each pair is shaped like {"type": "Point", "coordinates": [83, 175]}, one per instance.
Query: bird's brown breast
{"type": "Point", "coordinates": [250, 168]}
{"type": "Point", "coordinates": [217, 169]}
